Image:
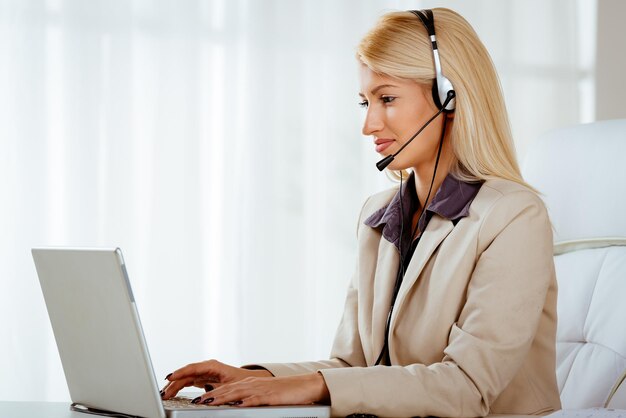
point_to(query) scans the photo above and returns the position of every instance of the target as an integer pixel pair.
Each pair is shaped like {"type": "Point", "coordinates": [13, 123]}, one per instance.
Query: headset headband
{"type": "Point", "coordinates": [441, 85]}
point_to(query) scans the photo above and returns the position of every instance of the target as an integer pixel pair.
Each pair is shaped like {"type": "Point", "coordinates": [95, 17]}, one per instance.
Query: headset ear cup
{"type": "Point", "coordinates": [436, 98]}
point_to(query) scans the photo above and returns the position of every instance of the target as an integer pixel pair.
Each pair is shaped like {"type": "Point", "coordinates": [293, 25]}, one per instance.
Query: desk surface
{"type": "Point", "coordinates": [62, 410]}
{"type": "Point", "coordinates": [38, 410]}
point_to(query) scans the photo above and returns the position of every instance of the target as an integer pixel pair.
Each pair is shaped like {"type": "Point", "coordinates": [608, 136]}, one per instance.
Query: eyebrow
{"type": "Point", "coordinates": [378, 88]}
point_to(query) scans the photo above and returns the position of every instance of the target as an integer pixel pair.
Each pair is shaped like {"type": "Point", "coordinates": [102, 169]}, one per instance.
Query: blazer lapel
{"type": "Point", "coordinates": [436, 231]}
{"type": "Point", "coordinates": [386, 269]}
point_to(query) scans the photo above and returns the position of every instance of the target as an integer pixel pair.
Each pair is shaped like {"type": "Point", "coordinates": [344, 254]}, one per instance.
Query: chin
{"type": "Point", "coordinates": [397, 166]}
{"type": "Point", "coordinates": [397, 171]}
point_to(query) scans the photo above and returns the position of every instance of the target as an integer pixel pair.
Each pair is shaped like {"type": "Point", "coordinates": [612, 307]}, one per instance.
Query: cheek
{"type": "Point", "coordinates": [403, 122]}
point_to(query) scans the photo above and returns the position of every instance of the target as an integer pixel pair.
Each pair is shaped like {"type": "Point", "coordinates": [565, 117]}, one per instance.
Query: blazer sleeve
{"type": "Point", "coordinates": [347, 350]}
{"type": "Point", "coordinates": [491, 339]}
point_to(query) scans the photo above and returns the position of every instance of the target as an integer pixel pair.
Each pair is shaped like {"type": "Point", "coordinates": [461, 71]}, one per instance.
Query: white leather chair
{"type": "Point", "coordinates": [581, 172]}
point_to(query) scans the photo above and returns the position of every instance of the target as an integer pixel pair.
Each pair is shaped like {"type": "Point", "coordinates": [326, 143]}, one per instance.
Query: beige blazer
{"type": "Point", "coordinates": [474, 327]}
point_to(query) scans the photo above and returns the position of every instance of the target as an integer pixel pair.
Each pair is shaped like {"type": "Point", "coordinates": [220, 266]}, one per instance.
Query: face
{"type": "Point", "coordinates": [396, 110]}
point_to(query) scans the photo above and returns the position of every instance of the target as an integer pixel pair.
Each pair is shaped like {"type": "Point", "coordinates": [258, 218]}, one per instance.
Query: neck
{"type": "Point", "coordinates": [424, 173]}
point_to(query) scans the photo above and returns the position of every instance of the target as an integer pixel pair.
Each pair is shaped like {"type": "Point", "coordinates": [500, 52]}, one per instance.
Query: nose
{"type": "Point", "coordinates": [373, 122]}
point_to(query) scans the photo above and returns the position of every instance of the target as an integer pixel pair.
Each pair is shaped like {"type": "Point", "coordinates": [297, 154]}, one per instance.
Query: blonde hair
{"type": "Point", "coordinates": [399, 46]}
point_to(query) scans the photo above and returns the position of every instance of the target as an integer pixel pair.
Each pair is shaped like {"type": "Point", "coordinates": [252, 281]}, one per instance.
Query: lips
{"type": "Point", "coordinates": [382, 144]}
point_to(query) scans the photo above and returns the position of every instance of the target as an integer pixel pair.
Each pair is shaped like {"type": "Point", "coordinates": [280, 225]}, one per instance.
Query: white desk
{"type": "Point", "coordinates": [38, 410]}
{"type": "Point", "coordinates": [62, 410]}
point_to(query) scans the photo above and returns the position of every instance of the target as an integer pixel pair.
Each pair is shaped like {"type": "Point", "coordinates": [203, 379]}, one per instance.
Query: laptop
{"type": "Point", "coordinates": [101, 343]}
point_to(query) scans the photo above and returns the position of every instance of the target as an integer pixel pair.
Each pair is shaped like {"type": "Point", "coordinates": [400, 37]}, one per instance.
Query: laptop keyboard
{"type": "Point", "coordinates": [185, 403]}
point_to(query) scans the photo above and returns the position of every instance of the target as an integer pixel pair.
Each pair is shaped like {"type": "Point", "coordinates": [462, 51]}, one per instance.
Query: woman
{"type": "Point", "coordinates": [452, 309]}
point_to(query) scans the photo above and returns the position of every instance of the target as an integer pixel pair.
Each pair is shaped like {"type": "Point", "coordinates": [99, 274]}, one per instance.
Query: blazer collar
{"type": "Point", "coordinates": [452, 201]}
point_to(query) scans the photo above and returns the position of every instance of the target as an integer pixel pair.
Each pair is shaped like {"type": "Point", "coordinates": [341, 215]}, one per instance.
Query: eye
{"type": "Point", "coordinates": [387, 99]}
{"type": "Point", "coordinates": [363, 104]}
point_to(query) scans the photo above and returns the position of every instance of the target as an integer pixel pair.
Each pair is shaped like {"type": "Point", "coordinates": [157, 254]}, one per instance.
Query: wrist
{"type": "Point", "coordinates": [323, 395]}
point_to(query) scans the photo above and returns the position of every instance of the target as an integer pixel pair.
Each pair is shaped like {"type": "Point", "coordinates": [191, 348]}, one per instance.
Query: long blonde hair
{"type": "Point", "coordinates": [399, 46]}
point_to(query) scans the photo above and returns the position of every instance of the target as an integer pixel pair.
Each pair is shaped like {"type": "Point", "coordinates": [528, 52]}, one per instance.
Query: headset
{"type": "Point", "coordinates": [441, 86]}
{"type": "Point", "coordinates": [444, 98]}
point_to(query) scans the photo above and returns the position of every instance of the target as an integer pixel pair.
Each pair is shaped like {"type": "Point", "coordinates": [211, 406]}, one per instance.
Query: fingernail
{"type": "Point", "coordinates": [208, 388]}
{"type": "Point", "coordinates": [196, 400]}
{"type": "Point", "coordinates": [168, 376]}
{"type": "Point", "coordinates": [208, 400]}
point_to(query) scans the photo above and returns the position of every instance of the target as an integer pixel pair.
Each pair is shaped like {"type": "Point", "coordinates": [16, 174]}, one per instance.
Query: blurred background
{"type": "Point", "coordinates": [218, 143]}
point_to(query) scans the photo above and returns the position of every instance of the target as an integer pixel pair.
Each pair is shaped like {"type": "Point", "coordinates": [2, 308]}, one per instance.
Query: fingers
{"type": "Point", "coordinates": [194, 374]}
{"type": "Point", "coordinates": [256, 391]}
{"type": "Point", "coordinates": [208, 387]}
{"type": "Point", "coordinates": [212, 375]}
{"type": "Point", "coordinates": [203, 383]}
{"type": "Point", "coordinates": [172, 388]}
{"type": "Point", "coordinates": [207, 369]}
{"type": "Point", "coordinates": [247, 392]}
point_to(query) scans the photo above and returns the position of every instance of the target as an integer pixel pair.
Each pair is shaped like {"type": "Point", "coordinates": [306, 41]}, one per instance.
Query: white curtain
{"type": "Point", "coordinates": [218, 144]}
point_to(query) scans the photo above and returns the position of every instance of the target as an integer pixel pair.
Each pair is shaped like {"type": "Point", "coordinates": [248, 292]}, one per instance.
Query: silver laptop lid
{"type": "Point", "coordinates": [101, 343]}
{"type": "Point", "coordinates": [97, 330]}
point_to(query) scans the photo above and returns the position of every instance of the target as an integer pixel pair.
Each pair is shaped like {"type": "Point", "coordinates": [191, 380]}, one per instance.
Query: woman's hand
{"type": "Point", "coordinates": [206, 374]}
{"type": "Point", "coordinates": [254, 391]}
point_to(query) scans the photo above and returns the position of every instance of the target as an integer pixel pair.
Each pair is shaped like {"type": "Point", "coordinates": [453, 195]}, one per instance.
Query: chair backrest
{"type": "Point", "coordinates": [581, 173]}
